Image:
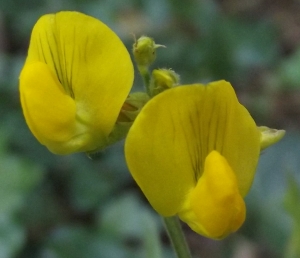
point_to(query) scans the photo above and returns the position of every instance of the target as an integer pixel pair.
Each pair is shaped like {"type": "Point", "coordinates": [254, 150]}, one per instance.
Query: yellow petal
{"type": "Point", "coordinates": [215, 208]}
{"type": "Point", "coordinates": [167, 145]}
{"type": "Point", "coordinates": [241, 139]}
{"type": "Point", "coordinates": [49, 111]}
{"type": "Point", "coordinates": [90, 62]}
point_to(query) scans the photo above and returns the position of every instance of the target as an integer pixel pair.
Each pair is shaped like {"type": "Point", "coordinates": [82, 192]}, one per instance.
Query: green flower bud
{"type": "Point", "coordinates": [144, 51]}
{"type": "Point", "coordinates": [163, 79]}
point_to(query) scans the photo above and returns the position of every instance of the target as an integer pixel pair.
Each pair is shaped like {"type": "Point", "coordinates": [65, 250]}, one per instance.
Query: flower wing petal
{"type": "Point", "coordinates": [48, 110]}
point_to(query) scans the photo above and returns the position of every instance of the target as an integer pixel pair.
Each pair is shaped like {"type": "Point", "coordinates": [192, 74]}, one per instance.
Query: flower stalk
{"type": "Point", "coordinates": [144, 72]}
{"type": "Point", "coordinates": [177, 237]}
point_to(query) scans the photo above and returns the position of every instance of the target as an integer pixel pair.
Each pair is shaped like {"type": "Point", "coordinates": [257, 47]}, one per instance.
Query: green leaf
{"type": "Point", "coordinates": [127, 218]}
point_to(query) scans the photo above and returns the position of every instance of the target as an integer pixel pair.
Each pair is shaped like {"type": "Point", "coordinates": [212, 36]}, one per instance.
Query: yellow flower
{"type": "Point", "coordinates": [193, 151]}
{"type": "Point", "coordinates": [75, 80]}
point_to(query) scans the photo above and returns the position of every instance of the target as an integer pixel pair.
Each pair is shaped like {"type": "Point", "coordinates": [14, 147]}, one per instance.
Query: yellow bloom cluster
{"type": "Point", "coordinates": [193, 149]}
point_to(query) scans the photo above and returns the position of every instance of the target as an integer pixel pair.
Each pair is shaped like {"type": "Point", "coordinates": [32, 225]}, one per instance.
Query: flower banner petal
{"type": "Point", "coordinates": [176, 130]}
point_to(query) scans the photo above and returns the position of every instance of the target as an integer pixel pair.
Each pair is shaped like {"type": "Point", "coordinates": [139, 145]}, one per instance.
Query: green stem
{"type": "Point", "coordinates": [144, 72]}
{"type": "Point", "coordinates": [177, 237]}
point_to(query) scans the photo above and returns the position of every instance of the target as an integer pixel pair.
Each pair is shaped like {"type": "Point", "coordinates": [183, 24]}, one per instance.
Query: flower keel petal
{"type": "Point", "coordinates": [215, 208]}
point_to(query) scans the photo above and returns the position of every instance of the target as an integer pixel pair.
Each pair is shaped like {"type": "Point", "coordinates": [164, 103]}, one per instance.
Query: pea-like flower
{"type": "Point", "coordinates": [193, 151]}
{"type": "Point", "coordinates": [75, 80]}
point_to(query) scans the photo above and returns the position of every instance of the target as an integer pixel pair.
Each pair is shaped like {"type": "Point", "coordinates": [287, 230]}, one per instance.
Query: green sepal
{"type": "Point", "coordinates": [129, 111]}
{"type": "Point", "coordinates": [118, 133]}
{"type": "Point", "coordinates": [133, 106]}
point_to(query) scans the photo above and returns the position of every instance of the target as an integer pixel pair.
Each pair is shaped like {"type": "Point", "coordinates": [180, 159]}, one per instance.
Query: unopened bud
{"type": "Point", "coordinates": [163, 79]}
{"type": "Point", "coordinates": [144, 51]}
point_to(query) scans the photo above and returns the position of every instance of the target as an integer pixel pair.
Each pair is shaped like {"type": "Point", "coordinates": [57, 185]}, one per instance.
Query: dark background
{"type": "Point", "coordinates": [69, 206]}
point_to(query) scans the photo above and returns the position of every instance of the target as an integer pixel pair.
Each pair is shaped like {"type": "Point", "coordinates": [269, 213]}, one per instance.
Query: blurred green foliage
{"type": "Point", "coordinates": [70, 206]}
{"type": "Point", "coordinates": [292, 205]}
